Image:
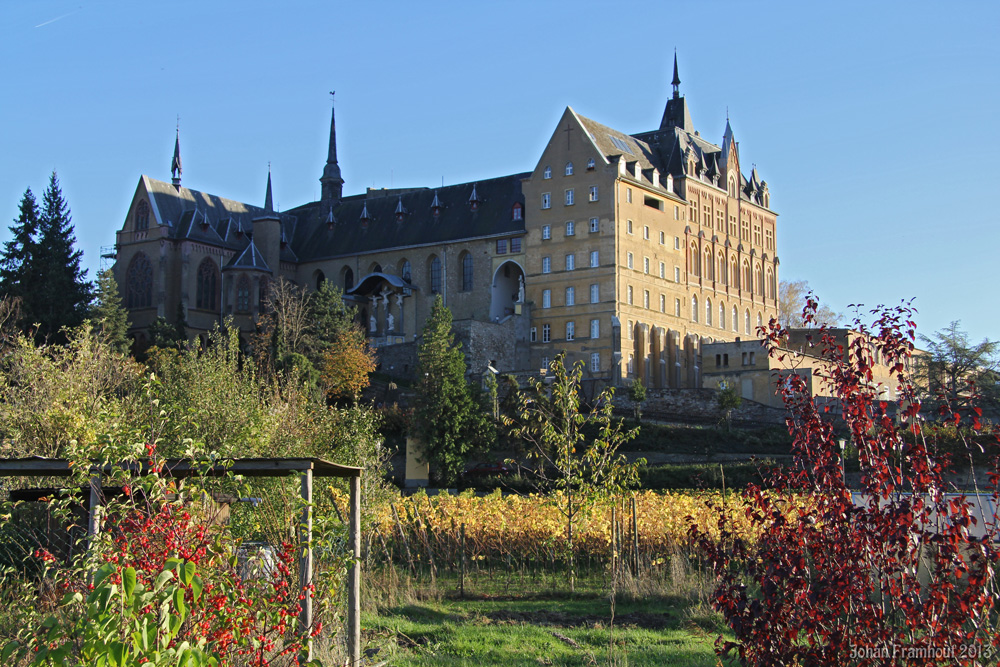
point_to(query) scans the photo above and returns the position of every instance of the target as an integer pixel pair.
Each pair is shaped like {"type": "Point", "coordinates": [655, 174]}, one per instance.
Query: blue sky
{"type": "Point", "coordinates": [873, 123]}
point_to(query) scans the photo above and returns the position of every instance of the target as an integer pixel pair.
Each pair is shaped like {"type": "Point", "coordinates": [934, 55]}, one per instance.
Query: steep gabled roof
{"type": "Point", "coordinates": [250, 258]}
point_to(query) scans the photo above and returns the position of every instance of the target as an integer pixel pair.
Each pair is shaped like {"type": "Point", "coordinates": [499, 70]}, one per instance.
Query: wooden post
{"type": "Point", "coordinates": [461, 581]}
{"type": "Point", "coordinates": [306, 565]}
{"type": "Point", "coordinates": [614, 545]}
{"type": "Point", "coordinates": [635, 538]}
{"type": "Point", "coordinates": [354, 578]}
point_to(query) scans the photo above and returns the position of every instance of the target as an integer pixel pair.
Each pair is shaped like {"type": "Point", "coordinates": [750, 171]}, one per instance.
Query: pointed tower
{"type": "Point", "coordinates": [267, 230]}
{"type": "Point", "coordinates": [333, 184]}
{"type": "Point", "coordinates": [175, 164]}
{"type": "Point", "coordinates": [268, 199]}
{"type": "Point", "coordinates": [676, 114]}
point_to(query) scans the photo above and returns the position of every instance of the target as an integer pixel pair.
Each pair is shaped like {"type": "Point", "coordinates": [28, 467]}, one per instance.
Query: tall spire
{"type": "Point", "coordinates": [175, 164]}
{"type": "Point", "coordinates": [677, 79]}
{"type": "Point", "coordinates": [333, 184]}
{"type": "Point", "coordinates": [268, 201]}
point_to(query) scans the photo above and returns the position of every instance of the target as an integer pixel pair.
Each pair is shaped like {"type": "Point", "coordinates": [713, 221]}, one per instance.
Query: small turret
{"type": "Point", "coordinates": [175, 164]}
{"type": "Point", "coordinates": [332, 182]}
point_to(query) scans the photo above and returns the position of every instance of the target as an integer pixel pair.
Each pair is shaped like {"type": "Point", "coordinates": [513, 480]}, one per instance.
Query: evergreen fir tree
{"type": "Point", "coordinates": [16, 265]}
{"type": "Point", "coordinates": [448, 420]}
{"type": "Point", "coordinates": [109, 317]}
{"type": "Point", "coordinates": [62, 295]}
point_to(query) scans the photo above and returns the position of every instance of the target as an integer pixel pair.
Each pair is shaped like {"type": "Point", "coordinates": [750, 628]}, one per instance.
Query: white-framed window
{"type": "Point", "coordinates": [546, 265]}
{"type": "Point", "coordinates": [677, 307]}
{"type": "Point", "coordinates": [548, 172]}
{"type": "Point", "coordinates": [546, 232]}
{"type": "Point", "coordinates": [677, 274]}
{"type": "Point", "coordinates": [677, 213]}
{"type": "Point", "coordinates": [746, 322]}
{"type": "Point", "coordinates": [594, 225]}
{"type": "Point", "coordinates": [546, 298]}
{"type": "Point", "coordinates": [645, 299]}
{"type": "Point", "coordinates": [628, 195]}
{"type": "Point", "coordinates": [663, 270]}
{"type": "Point", "coordinates": [663, 303]}
{"type": "Point", "coordinates": [595, 362]}
{"type": "Point", "coordinates": [628, 226]}
{"type": "Point", "coordinates": [534, 334]}
{"type": "Point", "coordinates": [595, 293]}
{"type": "Point", "coordinates": [663, 238]}
{"type": "Point", "coordinates": [645, 265]}
{"type": "Point", "coordinates": [645, 232]}
{"type": "Point", "coordinates": [629, 260]}
{"type": "Point", "coordinates": [545, 362]}
{"type": "Point", "coordinates": [570, 228]}
{"type": "Point", "coordinates": [570, 296]}
{"type": "Point", "coordinates": [546, 200]}
{"type": "Point", "coordinates": [570, 330]}
{"type": "Point", "coordinates": [569, 197]}
{"type": "Point", "coordinates": [546, 336]}
{"type": "Point", "coordinates": [595, 328]}
{"type": "Point", "coordinates": [677, 243]}
{"type": "Point", "coordinates": [590, 164]}
{"type": "Point", "coordinates": [722, 316]}
{"type": "Point", "coordinates": [595, 259]}
{"type": "Point", "coordinates": [570, 262]}
{"type": "Point", "coordinates": [517, 212]}
{"type": "Point", "coordinates": [569, 168]}
{"type": "Point", "coordinates": [630, 301]}
{"type": "Point", "coordinates": [593, 193]}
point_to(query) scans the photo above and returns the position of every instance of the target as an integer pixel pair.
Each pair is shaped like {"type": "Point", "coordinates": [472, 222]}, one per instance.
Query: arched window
{"type": "Point", "coordinates": [695, 268]}
{"type": "Point", "coordinates": [747, 282]}
{"type": "Point", "coordinates": [694, 308]}
{"type": "Point", "coordinates": [708, 312]}
{"type": "Point", "coordinates": [348, 279]}
{"type": "Point", "coordinates": [320, 278]}
{"type": "Point", "coordinates": [517, 212]}
{"type": "Point", "coordinates": [466, 272]}
{"type": "Point", "coordinates": [139, 282]}
{"type": "Point", "coordinates": [732, 186]}
{"type": "Point", "coordinates": [243, 294]}
{"type": "Point", "coordinates": [262, 290]}
{"type": "Point", "coordinates": [375, 268]}
{"type": "Point", "coordinates": [434, 268]}
{"type": "Point", "coordinates": [405, 272]}
{"type": "Point", "coordinates": [746, 322]}
{"type": "Point", "coordinates": [207, 288]}
{"type": "Point", "coordinates": [722, 316]}
{"type": "Point", "coordinates": [142, 216]}
{"type": "Point", "coordinates": [736, 319]}
{"type": "Point", "coordinates": [548, 172]}
{"type": "Point", "coordinates": [760, 320]}
{"type": "Point", "coordinates": [758, 285]}
{"type": "Point", "coordinates": [770, 284]}
{"type": "Point", "coordinates": [709, 265]}
{"type": "Point", "coordinates": [722, 277]}
{"type": "Point", "coordinates": [734, 275]}
{"type": "Point", "coordinates": [569, 168]}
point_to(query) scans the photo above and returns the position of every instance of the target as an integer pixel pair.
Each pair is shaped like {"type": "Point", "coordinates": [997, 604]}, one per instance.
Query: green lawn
{"type": "Point", "coordinates": [542, 629]}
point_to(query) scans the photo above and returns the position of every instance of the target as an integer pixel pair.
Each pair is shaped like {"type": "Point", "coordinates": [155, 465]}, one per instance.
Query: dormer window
{"type": "Point", "coordinates": [474, 200]}
{"type": "Point", "coordinates": [569, 168]}
{"type": "Point", "coordinates": [517, 212]}
{"type": "Point", "coordinates": [400, 211]}
{"type": "Point", "coordinates": [331, 221]}
{"type": "Point", "coordinates": [590, 164]}
{"type": "Point", "coordinates": [548, 172]}
{"type": "Point", "coordinates": [365, 216]}
{"type": "Point", "coordinates": [436, 205]}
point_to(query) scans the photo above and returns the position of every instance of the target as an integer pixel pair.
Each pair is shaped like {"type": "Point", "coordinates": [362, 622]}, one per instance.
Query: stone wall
{"type": "Point", "coordinates": [695, 405]}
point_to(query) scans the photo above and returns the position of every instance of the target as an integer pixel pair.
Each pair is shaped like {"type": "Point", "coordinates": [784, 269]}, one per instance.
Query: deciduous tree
{"type": "Point", "coordinates": [793, 296]}
{"type": "Point", "coordinates": [347, 363]}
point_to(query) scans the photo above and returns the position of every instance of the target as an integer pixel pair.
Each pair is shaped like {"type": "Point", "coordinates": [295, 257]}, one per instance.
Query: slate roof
{"type": "Point", "coordinates": [457, 218]}
{"type": "Point", "coordinates": [250, 258]}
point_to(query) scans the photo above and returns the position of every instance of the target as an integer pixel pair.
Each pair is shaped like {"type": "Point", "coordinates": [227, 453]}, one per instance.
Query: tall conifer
{"type": "Point", "coordinates": [16, 265]}
{"type": "Point", "coordinates": [107, 313]}
{"type": "Point", "coordinates": [63, 293]}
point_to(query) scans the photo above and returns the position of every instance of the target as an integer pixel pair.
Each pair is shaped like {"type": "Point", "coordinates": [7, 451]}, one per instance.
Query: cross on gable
{"type": "Point", "coordinates": [567, 131]}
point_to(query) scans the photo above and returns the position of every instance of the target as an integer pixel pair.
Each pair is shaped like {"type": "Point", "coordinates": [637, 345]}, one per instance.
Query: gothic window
{"type": "Point", "coordinates": [375, 268]}
{"type": "Point", "coordinates": [435, 271]}
{"type": "Point", "coordinates": [516, 211]}
{"type": "Point", "coordinates": [709, 265]}
{"type": "Point", "coordinates": [770, 284]}
{"type": "Point", "coordinates": [758, 285]}
{"type": "Point", "coordinates": [760, 320]}
{"type": "Point", "coordinates": [320, 279]}
{"type": "Point", "coordinates": [405, 272]}
{"type": "Point", "coordinates": [348, 279]}
{"type": "Point", "coordinates": [139, 282]}
{"type": "Point", "coordinates": [746, 322]}
{"type": "Point", "coordinates": [747, 282]}
{"type": "Point", "coordinates": [733, 273]}
{"type": "Point", "coordinates": [723, 276]}
{"type": "Point", "coordinates": [708, 312]}
{"type": "Point", "coordinates": [142, 216]}
{"type": "Point", "coordinates": [736, 319]}
{"type": "Point", "coordinates": [695, 268]}
{"type": "Point", "coordinates": [262, 295]}
{"type": "Point", "coordinates": [694, 308]}
{"type": "Point", "coordinates": [722, 316]}
{"type": "Point", "coordinates": [243, 294]}
{"type": "Point", "coordinates": [466, 272]}
{"type": "Point", "coordinates": [207, 288]}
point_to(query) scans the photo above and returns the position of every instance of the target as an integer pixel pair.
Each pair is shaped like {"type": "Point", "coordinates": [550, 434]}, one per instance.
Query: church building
{"type": "Point", "coordinates": [627, 251]}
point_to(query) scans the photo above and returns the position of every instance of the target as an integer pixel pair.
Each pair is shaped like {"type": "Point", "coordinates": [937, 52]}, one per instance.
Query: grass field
{"type": "Point", "coordinates": [430, 624]}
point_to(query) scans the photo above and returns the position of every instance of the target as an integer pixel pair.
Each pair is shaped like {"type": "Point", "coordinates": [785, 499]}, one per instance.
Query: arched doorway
{"type": "Point", "coordinates": [508, 289]}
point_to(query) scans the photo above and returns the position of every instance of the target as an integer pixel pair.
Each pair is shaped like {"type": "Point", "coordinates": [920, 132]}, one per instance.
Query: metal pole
{"type": "Point", "coordinates": [354, 578]}
{"type": "Point", "coordinates": [306, 565]}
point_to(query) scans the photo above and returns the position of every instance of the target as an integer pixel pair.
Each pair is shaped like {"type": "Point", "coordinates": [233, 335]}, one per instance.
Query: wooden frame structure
{"type": "Point", "coordinates": [308, 468]}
